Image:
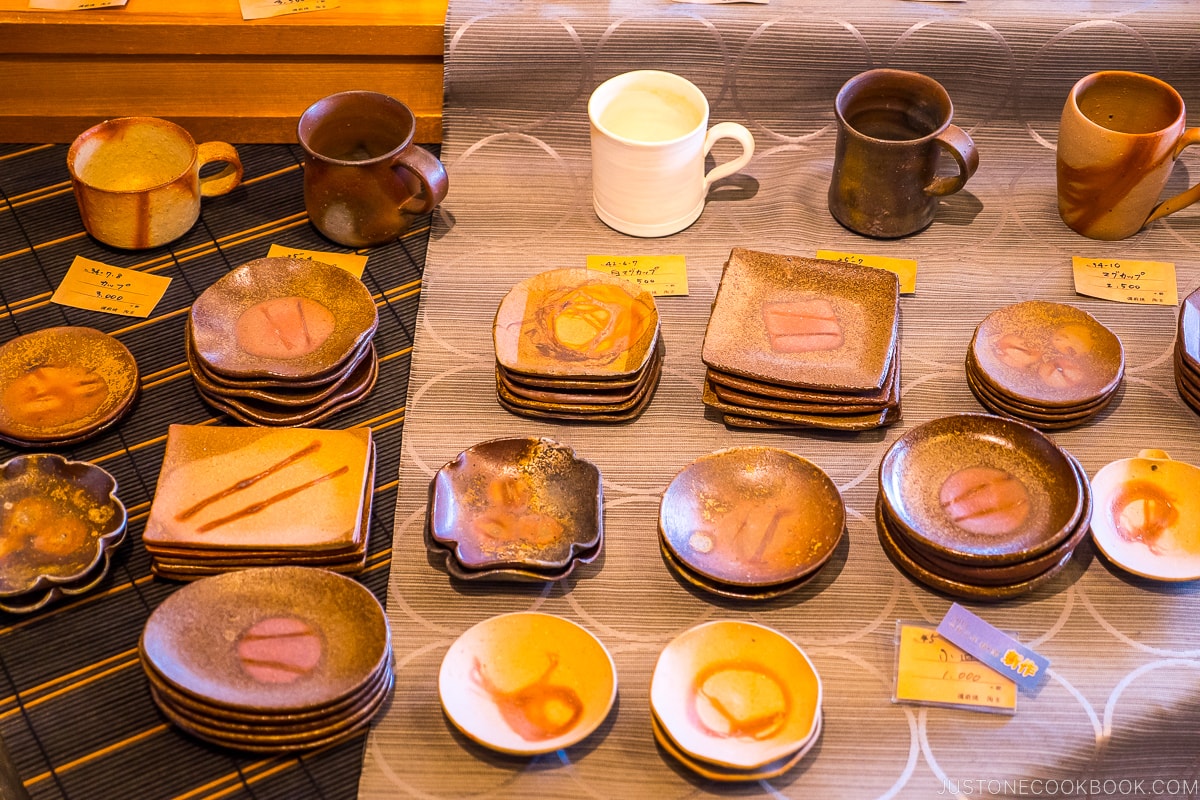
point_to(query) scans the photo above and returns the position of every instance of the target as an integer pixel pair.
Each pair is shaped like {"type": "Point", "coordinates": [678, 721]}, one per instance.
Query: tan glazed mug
{"type": "Point", "coordinates": [137, 180]}
{"type": "Point", "coordinates": [1117, 142]}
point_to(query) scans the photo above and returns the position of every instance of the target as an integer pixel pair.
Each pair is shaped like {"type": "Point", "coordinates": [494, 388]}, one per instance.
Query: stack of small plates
{"type": "Point", "coordinates": [515, 510]}
{"type": "Point", "coordinates": [798, 342]}
{"type": "Point", "coordinates": [61, 386]}
{"type": "Point", "coordinates": [750, 523]}
{"type": "Point", "coordinates": [233, 498]}
{"type": "Point", "coordinates": [981, 507]}
{"type": "Point", "coordinates": [735, 701]}
{"type": "Point", "coordinates": [1187, 352]}
{"type": "Point", "coordinates": [1048, 364]}
{"type": "Point", "coordinates": [577, 344]}
{"type": "Point", "coordinates": [59, 522]}
{"type": "Point", "coordinates": [283, 341]}
{"type": "Point", "coordinates": [269, 660]}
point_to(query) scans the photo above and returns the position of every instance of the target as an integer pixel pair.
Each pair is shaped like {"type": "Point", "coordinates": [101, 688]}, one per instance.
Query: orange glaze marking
{"type": "Point", "coordinates": [530, 710]}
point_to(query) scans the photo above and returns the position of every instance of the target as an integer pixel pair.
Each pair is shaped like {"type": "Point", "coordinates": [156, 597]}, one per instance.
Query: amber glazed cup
{"type": "Point", "coordinates": [893, 127]}
{"type": "Point", "coordinates": [1117, 142]}
{"type": "Point", "coordinates": [364, 179]}
{"type": "Point", "coordinates": [137, 180]}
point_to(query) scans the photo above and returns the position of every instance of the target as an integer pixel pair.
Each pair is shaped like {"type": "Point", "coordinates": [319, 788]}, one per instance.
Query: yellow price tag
{"type": "Point", "coordinates": [931, 670]}
{"type": "Point", "coordinates": [905, 268]}
{"type": "Point", "coordinates": [1147, 283]}
{"type": "Point", "coordinates": [261, 9]}
{"type": "Point", "coordinates": [75, 5]}
{"type": "Point", "coordinates": [93, 286]}
{"type": "Point", "coordinates": [351, 262]}
{"type": "Point", "coordinates": [658, 275]}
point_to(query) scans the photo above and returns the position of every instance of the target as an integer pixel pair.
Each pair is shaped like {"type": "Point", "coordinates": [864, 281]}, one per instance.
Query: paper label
{"type": "Point", "coordinates": [75, 5]}
{"type": "Point", "coordinates": [658, 275]}
{"type": "Point", "coordinates": [931, 670]}
{"type": "Point", "coordinates": [93, 286]}
{"type": "Point", "coordinates": [1147, 283]}
{"type": "Point", "coordinates": [905, 268]}
{"type": "Point", "coordinates": [351, 262]}
{"type": "Point", "coordinates": [261, 9]}
{"type": "Point", "coordinates": [994, 647]}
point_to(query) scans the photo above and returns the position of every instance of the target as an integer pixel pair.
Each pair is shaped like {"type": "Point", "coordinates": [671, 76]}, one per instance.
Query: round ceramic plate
{"type": "Point", "coordinates": [752, 516]}
{"type": "Point", "coordinates": [725, 589]}
{"type": "Point", "coordinates": [723, 774]}
{"type": "Point", "coordinates": [736, 694]}
{"type": "Point", "coordinates": [527, 683]}
{"type": "Point", "coordinates": [271, 639]}
{"type": "Point", "coordinates": [64, 384]}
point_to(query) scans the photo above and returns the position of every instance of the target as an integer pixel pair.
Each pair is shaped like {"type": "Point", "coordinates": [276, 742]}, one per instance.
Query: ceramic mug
{"type": "Point", "coordinates": [649, 138]}
{"type": "Point", "coordinates": [1118, 139]}
{"type": "Point", "coordinates": [364, 179]}
{"type": "Point", "coordinates": [137, 180]}
{"type": "Point", "coordinates": [893, 128]}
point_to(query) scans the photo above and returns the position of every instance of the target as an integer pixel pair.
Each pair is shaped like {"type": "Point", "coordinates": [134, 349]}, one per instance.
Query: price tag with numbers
{"type": "Point", "coordinates": [75, 5]}
{"type": "Point", "coordinates": [932, 671]}
{"type": "Point", "coordinates": [658, 275]}
{"type": "Point", "coordinates": [905, 268]}
{"type": "Point", "coordinates": [351, 262]}
{"type": "Point", "coordinates": [261, 9]}
{"type": "Point", "coordinates": [93, 286]}
{"type": "Point", "coordinates": [1147, 283]}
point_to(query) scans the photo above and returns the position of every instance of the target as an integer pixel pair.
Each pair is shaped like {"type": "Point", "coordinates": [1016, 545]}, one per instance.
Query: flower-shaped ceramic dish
{"type": "Point", "coordinates": [36, 601]}
{"type": "Point", "coordinates": [1147, 518]}
{"type": "Point", "coordinates": [1048, 354]}
{"type": "Point", "coordinates": [736, 694]}
{"type": "Point", "coordinates": [527, 683]}
{"type": "Point", "coordinates": [575, 323]}
{"type": "Point", "coordinates": [1187, 342]}
{"type": "Point", "coordinates": [803, 322]}
{"type": "Point", "coordinates": [752, 516]}
{"type": "Point", "coordinates": [528, 503]}
{"type": "Point", "coordinates": [723, 774]}
{"type": "Point", "coordinates": [59, 517]}
{"type": "Point", "coordinates": [63, 385]}
{"type": "Point", "coordinates": [445, 557]}
{"type": "Point", "coordinates": [273, 639]}
{"type": "Point", "coordinates": [978, 489]}
{"type": "Point", "coordinates": [282, 318]}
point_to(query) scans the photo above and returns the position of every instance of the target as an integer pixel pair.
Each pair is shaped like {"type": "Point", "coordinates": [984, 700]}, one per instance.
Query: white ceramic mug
{"type": "Point", "coordinates": [649, 139]}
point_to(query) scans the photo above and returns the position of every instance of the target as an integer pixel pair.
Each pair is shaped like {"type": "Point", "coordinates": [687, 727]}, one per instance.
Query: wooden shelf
{"type": "Point", "coordinates": [198, 63]}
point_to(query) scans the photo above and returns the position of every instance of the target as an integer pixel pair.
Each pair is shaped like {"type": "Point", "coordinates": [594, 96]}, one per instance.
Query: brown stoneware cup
{"type": "Point", "coordinates": [137, 180]}
{"type": "Point", "coordinates": [364, 179]}
{"type": "Point", "coordinates": [1117, 142]}
{"type": "Point", "coordinates": [893, 127]}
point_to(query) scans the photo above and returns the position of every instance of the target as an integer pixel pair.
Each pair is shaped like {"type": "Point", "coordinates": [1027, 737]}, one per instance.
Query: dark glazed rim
{"type": "Point", "coordinates": [855, 84]}
{"type": "Point", "coordinates": [308, 123]}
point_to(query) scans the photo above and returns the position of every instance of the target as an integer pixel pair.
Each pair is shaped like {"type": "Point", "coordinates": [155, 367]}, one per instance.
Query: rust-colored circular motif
{"type": "Point", "coordinates": [284, 327]}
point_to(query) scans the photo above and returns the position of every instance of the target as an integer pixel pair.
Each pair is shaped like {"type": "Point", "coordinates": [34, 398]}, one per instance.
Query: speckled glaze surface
{"type": "Point", "coordinates": [752, 394]}
{"type": "Point", "coordinates": [1052, 413]}
{"type": "Point", "coordinates": [1052, 419]}
{"type": "Point", "coordinates": [443, 558]}
{"type": "Point", "coordinates": [856, 421]}
{"type": "Point", "coordinates": [803, 322]}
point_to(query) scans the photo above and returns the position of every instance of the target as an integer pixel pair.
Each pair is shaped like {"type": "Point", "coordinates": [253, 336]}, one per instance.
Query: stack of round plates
{"type": "Point", "coordinates": [269, 660]}
{"type": "Point", "coordinates": [61, 386]}
{"type": "Point", "coordinates": [750, 523]}
{"type": "Point", "coordinates": [981, 507]}
{"type": "Point", "coordinates": [59, 521]}
{"type": "Point", "coordinates": [577, 344]}
{"type": "Point", "coordinates": [283, 341]}
{"type": "Point", "coordinates": [517, 510]}
{"type": "Point", "coordinates": [1187, 351]}
{"type": "Point", "coordinates": [735, 701]}
{"type": "Point", "coordinates": [1048, 364]}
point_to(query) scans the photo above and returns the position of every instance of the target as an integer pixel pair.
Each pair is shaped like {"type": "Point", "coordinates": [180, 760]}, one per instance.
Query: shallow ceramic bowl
{"type": "Point", "coordinates": [752, 516]}
{"type": "Point", "coordinates": [1147, 518]}
{"type": "Point", "coordinates": [527, 683]}
{"type": "Point", "coordinates": [576, 323]}
{"type": "Point", "coordinates": [281, 318]}
{"type": "Point", "coordinates": [723, 774]}
{"type": "Point", "coordinates": [978, 489]}
{"type": "Point", "coordinates": [58, 519]}
{"type": "Point", "coordinates": [736, 694]}
{"type": "Point", "coordinates": [1188, 331]}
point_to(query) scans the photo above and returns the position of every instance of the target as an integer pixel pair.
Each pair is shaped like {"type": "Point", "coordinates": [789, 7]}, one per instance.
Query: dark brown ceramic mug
{"type": "Point", "coordinates": [893, 127]}
{"type": "Point", "coordinates": [364, 179]}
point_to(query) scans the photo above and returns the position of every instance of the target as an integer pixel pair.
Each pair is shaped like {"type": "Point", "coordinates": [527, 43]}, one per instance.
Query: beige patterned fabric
{"type": "Point", "coordinates": [1123, 699]}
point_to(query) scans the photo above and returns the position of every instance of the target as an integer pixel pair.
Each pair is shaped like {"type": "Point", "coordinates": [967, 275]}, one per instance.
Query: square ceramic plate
{"type": "Point", "coordinates": [840, 422]}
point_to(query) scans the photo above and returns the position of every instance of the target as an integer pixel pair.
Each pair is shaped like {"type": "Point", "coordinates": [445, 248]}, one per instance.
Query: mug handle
{"type": "Point", "coordinates": [1185, 198]}
{"type": "Point", "coordinates": [227, 179]}
{"type": "Point", "coordinates": [430, 171]}
{"type": "Point", "coordinates": [959, 144]}
{"type": "Point", "coordinates": [728, 130]}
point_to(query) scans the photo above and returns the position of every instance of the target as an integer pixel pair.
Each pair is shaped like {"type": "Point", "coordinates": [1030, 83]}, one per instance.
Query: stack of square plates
{"type": "Point", "coordinates": [516, 510]}
{"type": "Point", "coordinates": [981, 507]}
{"type": "Point", "coordinates": [232, 498]}
{"type": "Point", "coordinates": [269, 660]}
{"type": "Point", "coordinates": [1048, 364]}
{"type": "Point", "coordinates": [798, 342]}
{"type": "Point", "coordinates": [1187, 352]}
{"type": "Point", "coordinates": [577, 344]}
{"type": "Point", "coordinates": [735, 701]}
{"type": "Point", "coordinates": [750, 523]}
{"type": "Point", "coordinates": [283, 341]}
